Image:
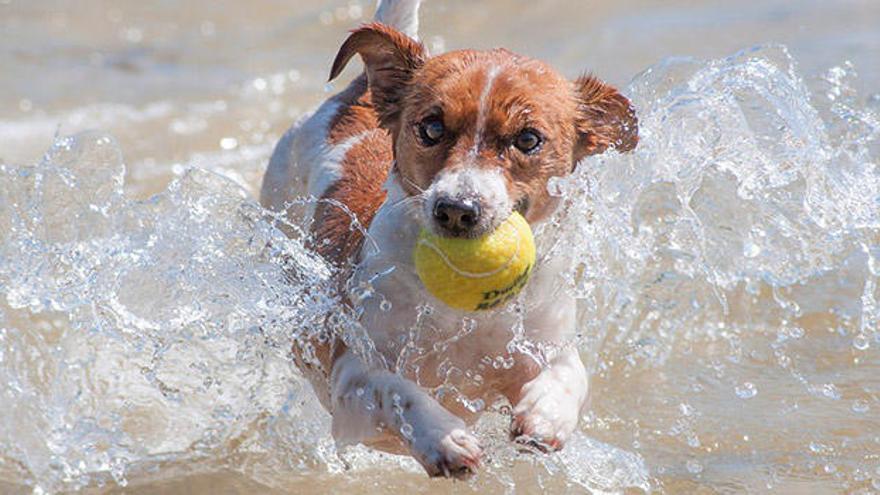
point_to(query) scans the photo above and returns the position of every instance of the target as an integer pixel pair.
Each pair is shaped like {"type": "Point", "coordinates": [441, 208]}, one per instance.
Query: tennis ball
{"type": "Point", "coordinates": [477, 274]}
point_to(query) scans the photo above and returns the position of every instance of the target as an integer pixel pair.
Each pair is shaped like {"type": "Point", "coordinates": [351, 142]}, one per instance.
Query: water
{"type": "Point", "coordinates": [727, 270]}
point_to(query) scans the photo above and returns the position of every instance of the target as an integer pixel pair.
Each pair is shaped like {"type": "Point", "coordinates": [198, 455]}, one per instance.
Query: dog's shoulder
{"type": "Point", "coordinates": [364, 151]}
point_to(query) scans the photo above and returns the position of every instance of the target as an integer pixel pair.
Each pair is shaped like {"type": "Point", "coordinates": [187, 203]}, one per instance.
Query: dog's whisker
{"type": "Point", "coordinates": [409, 202]}
{"type": "Point", "coordinates": [406, 179]}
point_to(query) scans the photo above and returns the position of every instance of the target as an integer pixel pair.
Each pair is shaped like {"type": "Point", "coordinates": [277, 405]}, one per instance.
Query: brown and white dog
{"type": "Point", "coordinates": [453, 143]}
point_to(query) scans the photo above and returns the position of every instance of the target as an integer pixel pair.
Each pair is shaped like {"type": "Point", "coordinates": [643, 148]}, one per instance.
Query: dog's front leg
{"type": "Point", "coordinates": [547, 408]}
{"type": "Point", "coordinates": [368, 401]}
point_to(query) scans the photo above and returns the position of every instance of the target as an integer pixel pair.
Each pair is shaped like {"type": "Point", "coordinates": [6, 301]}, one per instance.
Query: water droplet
{"type": "Point", "coordinates": [406, 430]}
{"type": "Point", "coordinates": [860, 406]}
{"type": "Point", "coordinates": [873, 260]}
{"type": "Point", "coordinates": [555, 187]}
{"type": "Point", "coordinates": [385, 305]}
{"type": "Point", "coordinates": [355, 11]}
{"type": "Point", "coordinates": [133, 34]}
{"type": "Point", "coordinates": [783, 360]}
{"type": "Point", "coordinates": [795, 332]}
{"type": "Point", "coordinates": [820, 448]}
{"type": "Point", "coordinates": [861, 342]}
{"type": "Point", "coordinates": [476, 405]}
{"type": "Point", "coordinates": [750, 249]}
{"type": "Point", "coordinates": [747, 390]}
{"type": "Point", "coordinates": [207, 28]}
{"type": "Point", "coordinates": [830, 391]}
{"type": "Point", "coordinates": [694, 467]}
{"type": "Point", "coordinates": [229, 143]}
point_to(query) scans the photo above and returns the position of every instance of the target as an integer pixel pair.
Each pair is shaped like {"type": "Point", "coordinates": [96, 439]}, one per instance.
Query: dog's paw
{"type": "Point", "coordinates": [545, 417]}
{"type": "Point", "coordinates": [452, 454]}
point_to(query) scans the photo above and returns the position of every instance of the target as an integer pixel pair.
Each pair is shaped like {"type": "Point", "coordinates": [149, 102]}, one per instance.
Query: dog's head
{"type": "Point", "coordinates": [478, 134]}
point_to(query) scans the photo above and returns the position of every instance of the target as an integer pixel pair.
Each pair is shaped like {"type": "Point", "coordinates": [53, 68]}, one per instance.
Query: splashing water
{"type": "Point", "coordinates": [727, 273]}
{"type": "Point", "coordinates": [739, 190]}
{"type": "Point", "coordinates": [136, 330]}
{"type": "Point", "coordinates": [735, 252]}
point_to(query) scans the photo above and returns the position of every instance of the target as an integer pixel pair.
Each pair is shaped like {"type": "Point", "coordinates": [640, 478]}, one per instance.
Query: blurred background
{"type": "Point", "coordinates": [729, 272]}
{"type": "Point", "coordinates": [215, 83]}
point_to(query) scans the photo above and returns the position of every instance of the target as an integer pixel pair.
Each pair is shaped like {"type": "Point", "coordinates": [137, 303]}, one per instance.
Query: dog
{"type": "Point", "coordinates": [452, 143]}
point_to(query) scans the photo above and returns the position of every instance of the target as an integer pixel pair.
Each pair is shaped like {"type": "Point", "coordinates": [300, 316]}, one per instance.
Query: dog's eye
{"type": "Point", "coordinates": [431, 131]}
{"type": "Point", "coordinates": [527, 141]}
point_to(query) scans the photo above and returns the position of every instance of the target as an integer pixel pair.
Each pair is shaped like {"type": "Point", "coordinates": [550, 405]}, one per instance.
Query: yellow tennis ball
{"type": "Point", "coordinates": [477, 274]}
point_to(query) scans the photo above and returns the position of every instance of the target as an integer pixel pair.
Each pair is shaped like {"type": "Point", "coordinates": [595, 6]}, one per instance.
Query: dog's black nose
{"type": "Point", "coordinates": [455, 215]}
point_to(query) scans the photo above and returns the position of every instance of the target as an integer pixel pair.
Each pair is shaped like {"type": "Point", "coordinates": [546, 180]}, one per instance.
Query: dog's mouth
{"type": "Point", "coordinates": [467, 219]}
{"type": "Point", "coordinates": [470, 202]}
{"type": "Point", "coordinates": [486, 225]}
{"type": "Point", "coordinates": [522, 205]}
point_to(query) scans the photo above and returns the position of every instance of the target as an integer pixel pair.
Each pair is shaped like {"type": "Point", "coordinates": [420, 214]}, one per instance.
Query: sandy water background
{"type": "Point", "coordinates": [774, 389]}
{"type": "Point", "coordinates": [170, 80]}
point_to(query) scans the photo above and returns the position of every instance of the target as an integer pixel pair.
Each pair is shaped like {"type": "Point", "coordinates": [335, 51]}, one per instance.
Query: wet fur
{"type": "Point", "coordinates": [360, 153]}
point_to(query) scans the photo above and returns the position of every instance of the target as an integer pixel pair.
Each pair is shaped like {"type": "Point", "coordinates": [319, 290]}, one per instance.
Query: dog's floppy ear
{"type": "Point", "coordinates": [605, 119]}
{"type": "Point", "coordinates": [390, 58]}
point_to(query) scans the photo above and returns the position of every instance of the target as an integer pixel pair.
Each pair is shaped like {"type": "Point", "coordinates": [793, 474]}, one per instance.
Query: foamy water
{"type": "Point", "coordinates": [727, 273]}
